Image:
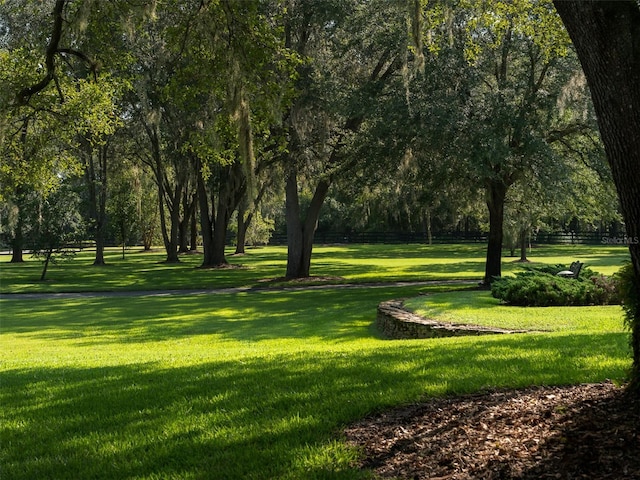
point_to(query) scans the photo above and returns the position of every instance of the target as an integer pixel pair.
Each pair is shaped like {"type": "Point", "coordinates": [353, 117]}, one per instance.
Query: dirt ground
{"type": "Point", "coordinates": [574, 432]}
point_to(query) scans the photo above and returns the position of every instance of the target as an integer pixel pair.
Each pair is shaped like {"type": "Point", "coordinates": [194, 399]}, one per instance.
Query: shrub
{"type": "Point", "coordinates": [607, 291]}
{"type": "Point", "coordinates": [629, 293]}
{"type": "Point", "coordinates": [629, 288]}
{"type": "Point", "coordinates": [585, 272]}
{"type": "Point", "coordinates": [540, 287]}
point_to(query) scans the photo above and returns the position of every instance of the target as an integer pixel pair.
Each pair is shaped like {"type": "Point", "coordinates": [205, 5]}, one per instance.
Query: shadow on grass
{"type": "Point", "coordinates": [332, 315]}
{"type": "Point", "coordinates": [262, 417]}
{"type": "Point", "coordinates": [391, 251]}
{"type": "Point", "coordinates": [144, 271]}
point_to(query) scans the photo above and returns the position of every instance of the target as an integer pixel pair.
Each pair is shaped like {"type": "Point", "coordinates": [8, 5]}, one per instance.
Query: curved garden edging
{"type": "Point", "coordinates": [396, 322]}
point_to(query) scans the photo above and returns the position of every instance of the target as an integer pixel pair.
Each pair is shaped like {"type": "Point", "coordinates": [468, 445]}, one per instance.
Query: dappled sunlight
{"type": "Point", "coordinates": [354, 263]}
{"type": "Point", "coordinates": [316, 316]}
{"type": "Point", "coordinates": [213, 384]}
{"type": "Point", "coordinates": [277, 400]}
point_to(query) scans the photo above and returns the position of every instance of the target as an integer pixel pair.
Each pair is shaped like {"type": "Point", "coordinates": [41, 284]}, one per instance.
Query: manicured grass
{"type": "Point", "coordinates": [258, 384]}
{"type": "Point", "coordinates": [480, 308]}
{"type": "Point", "coordinates": [251, 385]}
{"type": "Point", "coordinates": [353, 263]}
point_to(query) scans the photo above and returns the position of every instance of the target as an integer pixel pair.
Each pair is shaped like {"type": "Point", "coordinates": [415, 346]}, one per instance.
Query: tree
{"type": "Point", "coordinates": [507, 113]}
{"type": "Point", "coordinates": [518, 66]}
{"type": "Point", "coordinates": [55, 110]}
{"type": "Point", "coordinates": [95, 128]}
{"type": "Point", "coordinates": [123, 204]}
{"type": "Point", "coordinates": [350, 59]}
{"type": "Point", "coordinates": [606, 35]}
{"type": "Point", "coordinates": [204, 71]}
{"type": "Point", "coordinates": [154, 43]}
{"type": "Point", "coordinates": [247, 88]}
{"type": "Point", "coordinates": [29, 161]}
{"type": "Point", "coordinates": [58, 226]}
{"type": "Point", "coordinates": [148, 216]}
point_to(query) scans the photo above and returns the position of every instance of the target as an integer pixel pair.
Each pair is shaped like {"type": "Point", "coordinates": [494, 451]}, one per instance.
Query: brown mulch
{"type": "Point", "coordinates": [575, 432]}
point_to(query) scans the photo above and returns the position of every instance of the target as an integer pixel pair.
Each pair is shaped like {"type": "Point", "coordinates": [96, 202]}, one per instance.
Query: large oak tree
{"type": "Point", "coordinates": [606, 35]}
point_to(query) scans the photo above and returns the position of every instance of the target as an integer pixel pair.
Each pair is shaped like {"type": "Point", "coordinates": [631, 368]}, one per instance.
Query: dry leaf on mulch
{"type": "Point", "coordinates": [575, 432]}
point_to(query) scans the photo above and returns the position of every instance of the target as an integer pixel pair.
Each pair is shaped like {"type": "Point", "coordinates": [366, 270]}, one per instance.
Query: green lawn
{"type": "Point", "coordinates": [480, 308]}
{"type": "Point", "coordinates": [251, 385]}
{"type": "Point", "coordinates": [353, 263]}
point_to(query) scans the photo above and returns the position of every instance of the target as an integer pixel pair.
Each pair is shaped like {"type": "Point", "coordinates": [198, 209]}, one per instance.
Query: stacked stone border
{"type": "Point", "coordinates": [396, 322]}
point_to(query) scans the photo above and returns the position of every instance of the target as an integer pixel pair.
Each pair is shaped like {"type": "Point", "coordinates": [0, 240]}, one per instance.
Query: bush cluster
{"type": "Point", "coordinates": [541, 287]}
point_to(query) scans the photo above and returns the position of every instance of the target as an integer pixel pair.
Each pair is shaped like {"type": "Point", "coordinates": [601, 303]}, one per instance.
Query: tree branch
{"type": "Point", "coordinates": [24, 95]}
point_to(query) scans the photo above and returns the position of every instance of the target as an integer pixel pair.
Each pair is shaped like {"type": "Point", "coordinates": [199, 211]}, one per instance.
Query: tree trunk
{"type": "Point", "coordinates": [100, 244]}
{"type": "Point", "coordinates": [206, 226]}
{"type": "Point", "coordinates": [184, 226]}
{"type": "Point", "coordinates": [496, 194]}
{"type": "Point", "coordinates": [522, 238]}
{"type": "Point", "coordinates": [95, 170]}
{"type": "Point", "coordinates": [218, 257]}
{"type": "Point", "coordinates": [300, 234]}
{"type": "Point", "coordinates": [146, 240]}
{"type": "Point", "coordinates": [194, 226]}
{"type": "Point", "coordinates": [16, 246]}
{"type": "Point", "coordinates": [163, 215]}
{"type": "Point", "coordinates": [165, 197]}
{"type": "Point", "coordinates": [243, 224]}
{"type": "Point", "coordinates": [294, 226]}
{"type": "Point", "coordinates": [45, 267]}
{"type": "Point", "coordinates": [172, 240]}
{"type": "Point", "coordinates": [17, 243]}
{"type": "Point", "coordinates": [606, 35]}
{"type": "Point", "coordinates": [101, 224]}
{"type": "Point", "coordinates": [123, 236]}
{"type": "Point", "coordinates": [427, 221]}
{"type": "Point", "coordinates": [183, 234]}
{"type": "Point", "coordinates": [214, 228]}
{"type": "Point", "coordinates": [170, 231]}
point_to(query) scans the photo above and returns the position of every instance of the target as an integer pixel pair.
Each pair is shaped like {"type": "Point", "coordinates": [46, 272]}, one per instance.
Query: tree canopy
{"type": "Point", "coordinates": [419, 116]}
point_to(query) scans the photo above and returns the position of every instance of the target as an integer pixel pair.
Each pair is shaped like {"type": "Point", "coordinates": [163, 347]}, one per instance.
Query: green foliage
{"type": "Point", "coordinates": [59, 226]}
{"type": "Point", "coordinates": [629, 288]}
{"type": "Point", "coordinates": [533, 19]}
{"type": "Point", "coordinates": [259, 231]}
{"type": "Point", "coordinates": [630, 295]}
{"type": "Point", "coordinates": [542, 287]}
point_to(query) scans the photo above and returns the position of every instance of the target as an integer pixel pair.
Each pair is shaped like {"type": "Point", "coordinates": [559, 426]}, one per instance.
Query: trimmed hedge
{"type": "Point", "coordinates": [541, 287]}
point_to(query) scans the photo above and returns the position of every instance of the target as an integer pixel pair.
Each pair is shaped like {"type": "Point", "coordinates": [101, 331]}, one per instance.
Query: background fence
{"type": "Point", "coordinates": [589, 238]}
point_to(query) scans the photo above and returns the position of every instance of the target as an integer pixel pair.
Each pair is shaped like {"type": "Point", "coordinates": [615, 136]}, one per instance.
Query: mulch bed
{"type": "Point", "coordinates": [575, 432]}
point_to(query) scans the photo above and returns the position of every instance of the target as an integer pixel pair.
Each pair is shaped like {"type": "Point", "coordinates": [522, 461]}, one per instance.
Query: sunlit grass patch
{"type": "Point", "coordinates": [480, 308]}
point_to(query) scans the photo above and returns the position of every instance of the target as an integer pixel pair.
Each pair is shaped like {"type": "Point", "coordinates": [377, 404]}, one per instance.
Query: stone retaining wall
{"type": "Point", "coordinates": [395, 322]}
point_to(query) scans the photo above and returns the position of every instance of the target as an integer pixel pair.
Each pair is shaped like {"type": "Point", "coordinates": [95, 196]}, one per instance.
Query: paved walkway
{"type": "Point", "coordinates": [229, 290]}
